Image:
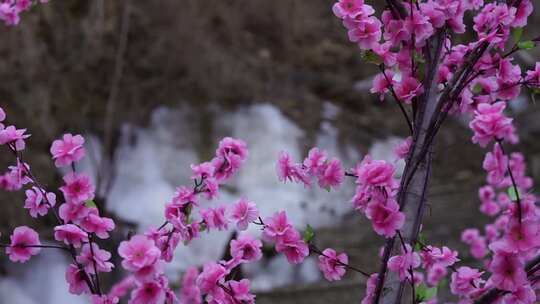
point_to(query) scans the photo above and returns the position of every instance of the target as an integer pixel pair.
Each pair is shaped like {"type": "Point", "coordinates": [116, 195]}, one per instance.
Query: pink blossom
{"type": "Point", "coordinates": [22, 240]}
{"type": "Point", "coordinates": [215, 218]}
{"type": "Point", "coordinates": [190, 293]}
{"type": "Point", "coordinates": [490, 208]}
{"type": "Point", "coordinates": [351, 9]}
{"type": "Point", "coordinates": [402, 149]}
{"type": "Point", "coordinates": [104, 299]}
{"type": "Point", "coordinates": [246, 249]}
{"type": "Point", "coordinates": [394, 29]}
{"type": "Point", "coordinates": [533, 76]}
{"type": "Point", "coordinates": [244, 212]}
{"type": "Point", "coordinates": [209, 278]}
{"type": "Point", "coordinates": [332, 264]}
{"type": "Point", "coordinates": [292, 245]}
{"type": "Point", "coordinates": [382, 84]}
{"type": "Point", "coordinates": [184, 195]}
{"type": "Point", "coordinates": [211, 188]}
{"type": "Point", "coordinates": [67, 150]}
{"type": "Point", "coordinates": [408, 88]}
{"type": "Point", "coordinates": [232, 148]}
{"type": "Point", "coordinates": [385, 217]}
{"type": "Point", "coordinates": [404, 263]}
{"type": "Point", "coordinates": [435, 274]}
{"type": "Point", "coordinates": [496, 164]}
{"type": "Point", "coordinates": [524, 9]}
{"type": "Point", "coordinates": [375, 173]}
{"type": "Point", "coordinates": [9, 14]}
{"type": "Point", "coordinates": [420, 25]}
{"type": "Point", "coordinates": [315, 160]}
{"type": "Point", "coordinates": [289, 171]}
{"type": "Point", "coordinates": [75, 278]}
{"type": "Point", "coordinates": [148, 293]}
{"type": "Point", "coordinates": [78, 188]}
{"type": "Point", "coordinates": [366, 32]}
{"type": "Point", "coordinates": [35, 202]}
{"type": "Point", "coordinates": [332, 174]}
{"type": "Point", "coordinates": [489, 123]}
{"type": "Point", "coordinates": [507, 271]}
{"type": "Point", "coordinates": [138, 252]}
{"type": "Point", "coordinates": [276, 226]}
{"type": "Point", "coordinates": [202, 171]}
{"type": "Point", "coordinates": [16, 177]}
{"type": "Point", "coordinates": [11, 135]}
{"type": "Point", "coordinates": [523, 295]}
{"type": "Point", "coordinates": [2, 116]}
{"type": "Point", "coordinates": [90, 256]}
{"type": "Point", "coordinates": [70, 234]}
{"type": "Point", "coordinates": [465, 281]}
{"type": "Point", "coordinates": [73, 212]}
{"type": "Point", "coordinates": [121, 288]}
{"type": "Point", "coordinates": [240, 291]}
{"type": "Point", "coordinates": [371, 286]}
{"type": "Point", "coordinates": [443, 256]}
{"type": "Point", "coordinates": [523, 236]}
{"type": "Point", "coordinates": [100, 226]}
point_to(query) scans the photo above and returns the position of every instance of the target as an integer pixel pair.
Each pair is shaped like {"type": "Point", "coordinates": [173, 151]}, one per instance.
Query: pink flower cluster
{"type": "Point", "coordinates": [376, 196]}
{"type": "Point", "coordinates": [10, 10]}
{"type": "Point", "coordinates": [328, 172]}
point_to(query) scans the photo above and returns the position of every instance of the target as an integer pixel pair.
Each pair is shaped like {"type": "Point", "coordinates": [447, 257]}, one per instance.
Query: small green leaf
{"type": "Point", "coordinates": [513, 193]}
{"type": "Point", "coordinates": [90, 204]}
{"type": "Point", "coordinates": [425, 294]}
{"type": "Point", "coordinates": [526, 45]}
{"type": "Point", "coordinates": [371, 57]}
{"type": "Point", "coordinates": [517, 33]}
{"type": "Point", "coordinates": [309, 234]}
{"type": "Point", "coordinates": [328, 188]}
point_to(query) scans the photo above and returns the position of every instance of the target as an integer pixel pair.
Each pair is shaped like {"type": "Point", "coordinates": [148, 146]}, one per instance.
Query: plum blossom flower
{"type": "Point", "coordinates": [35, 202]}
{"type": "Point", "coordinates": [351, 9]}
{"type": "Point", "coordinates": [244, 212]}
{"type": "Point", "coordinates": [75, 278]}
{"type": "Point", "coordinates": [332, 174]}
{"type": "Point", "coordinates": [375, 173]}
{"type": "Point", "coordinates": [276, 226]}
{"type": "Point", "coordinates": [496, 164]}
{"type": "Point", "coordinates": [465, 281]}
{"type": "Point", "coordinates": [78, 188]}
{"type": "Point", "coordinates": [507, 270]}
{"type": "Point", "coordinates": [402, 149]}
{"type": "Point", "coordinates": [315, 160]}
{"type": "Point", "coordinates": [371, 286]}
{"type": "Point", "coordinates": [366, 32]}
{"type": "Point", "coordinates": [215, 218]}
{"type": "Point", "coordinates": [385, 217]}
{"type": "Point", "coordinates": [332, 264]}
{"type": "Point", "coordinates": [22, 240]}
{"type": "Point", "coordinates": [489, 123]}
{"type": "Point", "coordinates": [292, 245]}
{"type": "Point", "coordinates": [104, 299]}
{"type": "Point", "coordinates": [68, 150]}
{"type": "Point", "coordinates": [138, 252]}
{"type": "Point", "coordinates": [408, 88]}
{"type": "Point", "coordinates": [150, 292]}
{"type": "Point", "coordinates": [209, 278]}
{"type": "Point", "coordinates": [382, 84]}
{"type": "Point", "coordinates": [90, 256]}
{"type": "Point", "coordinates": [190, 293]}
{"type": "Point", "coordinates": [246, 249]}
{"type": "Point", "coordinates": [12, 135]}
{"type": "Point", "coordinates": [404, 263]}
{"type": "Point", "coordinates": [70, 234]}
{"type": "Point", "coordinates": [287, 170]}
{"type": "Point", "coordinates": [100, 226]}
{"type": "Point", "coordinates": [240, 291]}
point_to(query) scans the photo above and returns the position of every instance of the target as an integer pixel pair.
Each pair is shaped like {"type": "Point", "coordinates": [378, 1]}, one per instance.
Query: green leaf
{"type": "Point", "coordinates": [309, 234]}
{"type": "Point", "coordinates": [513, 193]}
{"type": "Point", "coordinates": [425, 294]}
{"type": "Point", "coordinates": [90, 204]}
{"type": "Point", "coordinates": [526, 45]}
{"type": "Point", "coordinates": [517, 33]}
{"type": "Point", "coordinates": [371, 57]}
